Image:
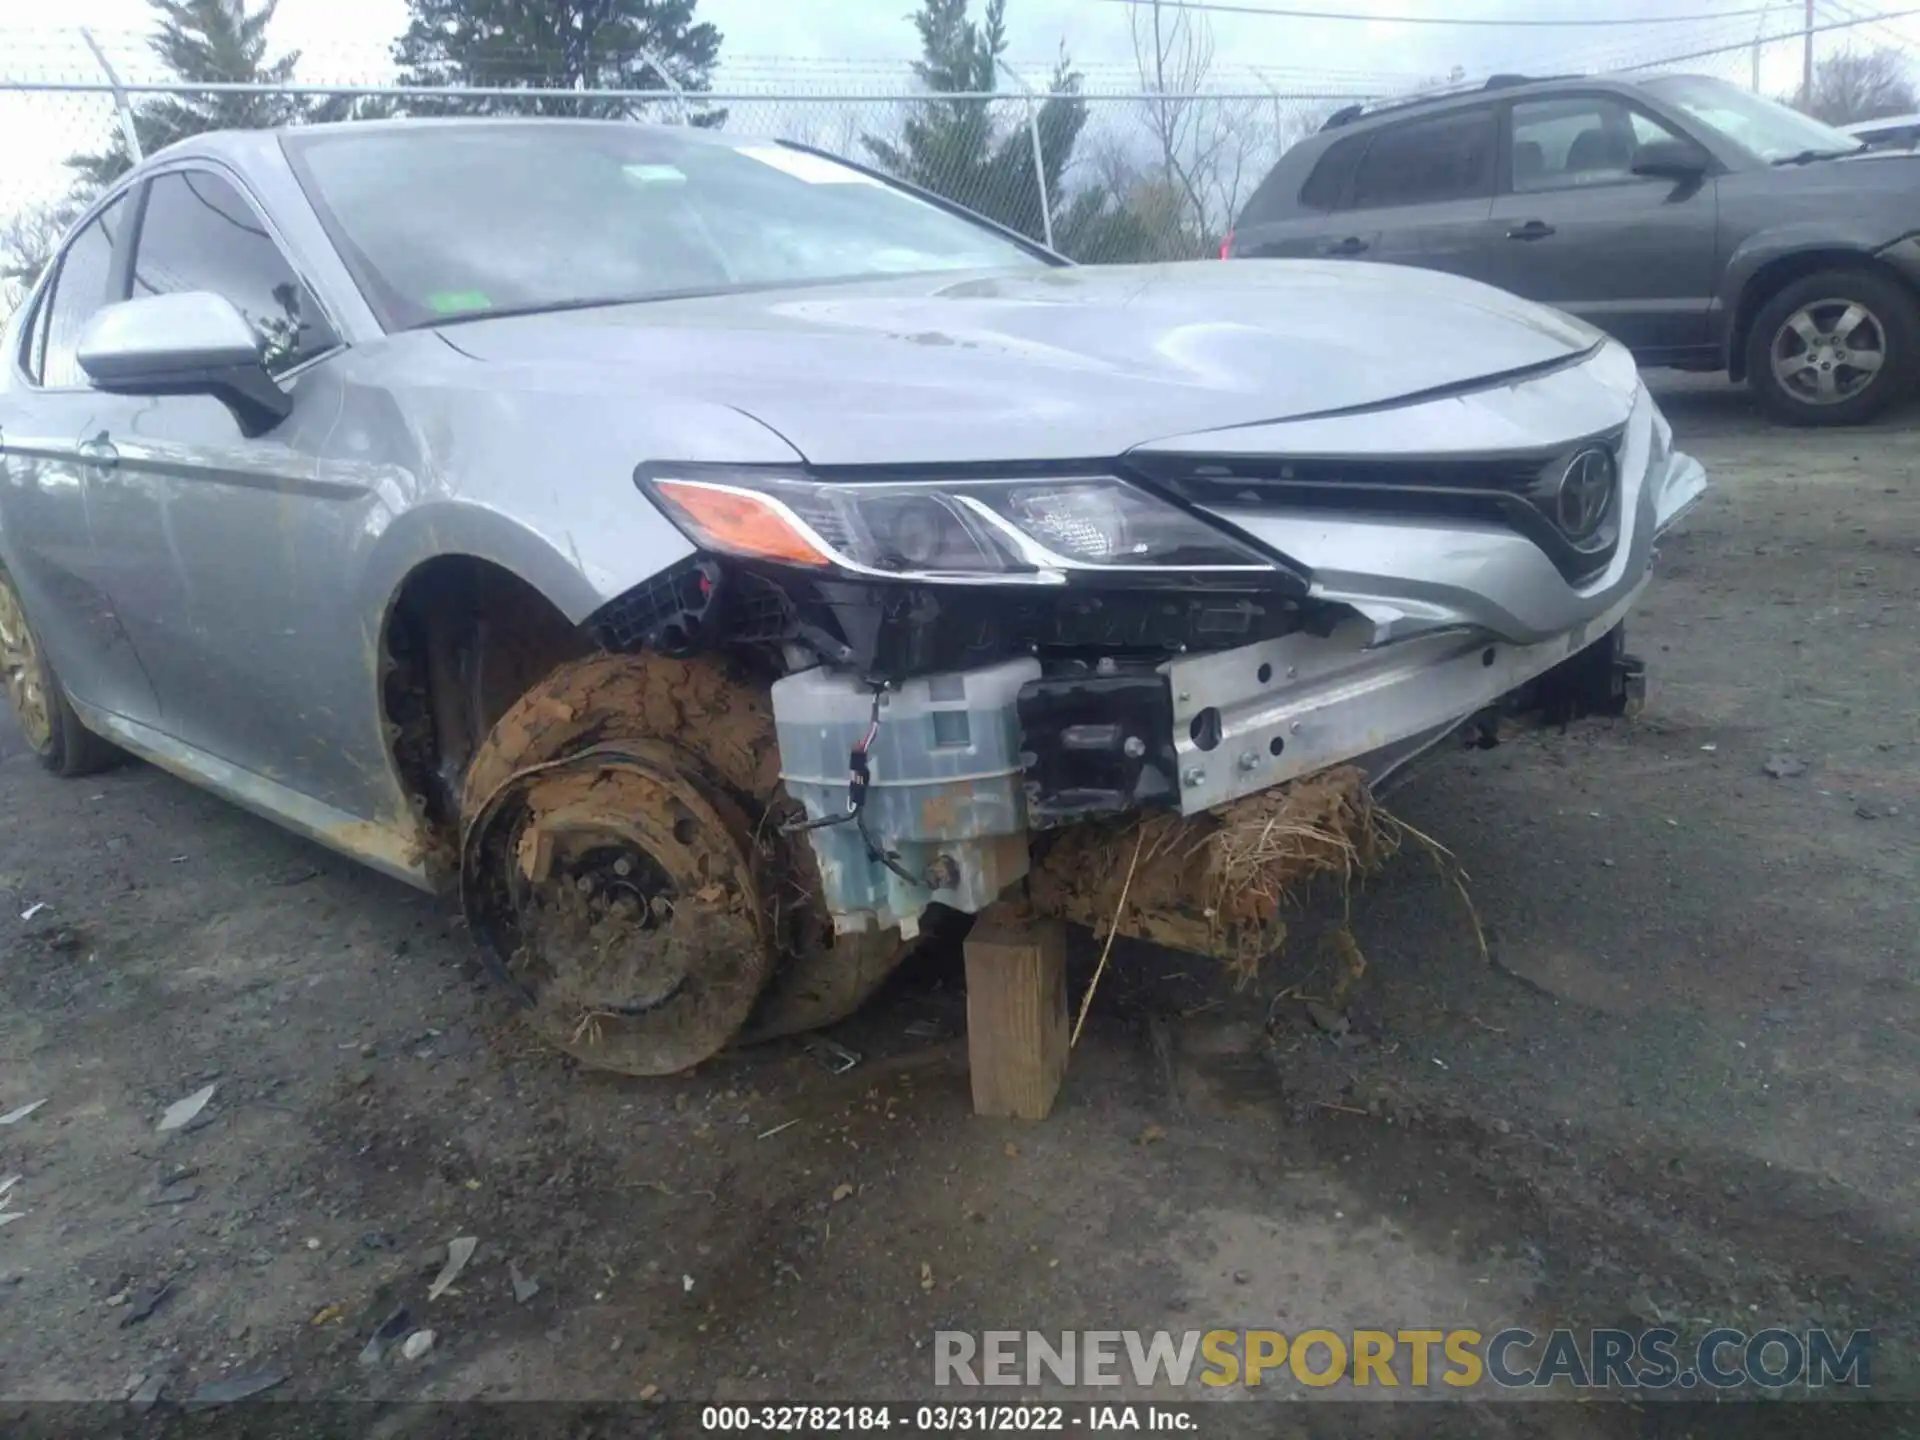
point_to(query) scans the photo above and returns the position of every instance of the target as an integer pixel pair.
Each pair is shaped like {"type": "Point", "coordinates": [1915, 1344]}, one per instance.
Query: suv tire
{"type": "Point", "coordinates": [1805, 350]}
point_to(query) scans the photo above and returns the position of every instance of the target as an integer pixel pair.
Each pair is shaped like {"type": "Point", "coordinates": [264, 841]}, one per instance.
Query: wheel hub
{"type": "Point", "coordinates": [618, 896]}
{"type": "Point", "coordinates": [25, 676]}
{"type": "Point", "coordinates": [1828, 351]}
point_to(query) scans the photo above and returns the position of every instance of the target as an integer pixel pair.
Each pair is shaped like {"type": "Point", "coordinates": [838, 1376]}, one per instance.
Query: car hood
{"type": "Point", "coordinates": [1066, 363]}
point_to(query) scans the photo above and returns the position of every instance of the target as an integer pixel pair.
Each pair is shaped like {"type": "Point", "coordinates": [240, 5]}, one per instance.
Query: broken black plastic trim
{"type": "Point", "coordinates": [894, 630]}
{"type": "Point", "coordinates": [1096, 742]}
{"type": "Point", "coordinates": [1602, 679]}
{"type": "Point", "coordinates": [897, 631]}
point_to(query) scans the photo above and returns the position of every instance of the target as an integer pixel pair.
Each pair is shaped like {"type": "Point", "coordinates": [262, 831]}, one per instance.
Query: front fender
{"type": "Point", "coordinates": [531, 469]}
{"type": "Point", "coordinates": [1835, 241]}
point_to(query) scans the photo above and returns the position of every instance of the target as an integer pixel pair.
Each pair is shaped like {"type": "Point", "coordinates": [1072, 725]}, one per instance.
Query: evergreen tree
{"type": "Point", "coordinates": [202, 41]}
{"type": "Point", "coordinates": [556, 45]}
{"type": "Point", "coordinates": [964, 150]}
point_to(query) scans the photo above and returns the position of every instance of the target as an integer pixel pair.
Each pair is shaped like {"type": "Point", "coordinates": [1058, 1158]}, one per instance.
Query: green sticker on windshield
{"type": "Point", "coordinates": [455, 302]}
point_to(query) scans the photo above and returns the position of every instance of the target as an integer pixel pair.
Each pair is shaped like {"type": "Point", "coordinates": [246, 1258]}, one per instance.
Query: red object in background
{"type": "Point", "coordinates": [1226, 247]}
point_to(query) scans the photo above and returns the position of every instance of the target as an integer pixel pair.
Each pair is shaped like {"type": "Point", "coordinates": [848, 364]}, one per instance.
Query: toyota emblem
{"type": "Point", "coordinates": [1585, 493]}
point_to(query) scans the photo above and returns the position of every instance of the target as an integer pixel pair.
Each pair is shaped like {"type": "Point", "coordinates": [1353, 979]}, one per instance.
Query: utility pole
{"type": "Point", "coordinates": [1806, 63]}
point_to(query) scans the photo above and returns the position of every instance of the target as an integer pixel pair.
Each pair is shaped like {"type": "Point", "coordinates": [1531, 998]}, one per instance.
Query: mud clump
{"type": "Point", "coordinates": [608, 968]}
{"type": "Point", "coordinates": [697, 704]}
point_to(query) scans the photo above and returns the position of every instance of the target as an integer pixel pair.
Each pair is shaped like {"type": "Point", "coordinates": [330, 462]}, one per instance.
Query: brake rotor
{"type": "Point", "coordinates": [26, 677]}
{"type": "Point", "coordinates": [617, 895]}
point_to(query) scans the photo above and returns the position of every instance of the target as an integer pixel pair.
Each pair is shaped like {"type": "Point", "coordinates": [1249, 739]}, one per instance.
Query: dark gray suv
{"type": "Point", "coordinates": [1705, 227]}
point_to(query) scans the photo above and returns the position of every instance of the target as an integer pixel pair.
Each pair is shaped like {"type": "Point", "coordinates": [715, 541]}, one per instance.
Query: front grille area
{"type": "Point", "coordinates": [1516, 490]}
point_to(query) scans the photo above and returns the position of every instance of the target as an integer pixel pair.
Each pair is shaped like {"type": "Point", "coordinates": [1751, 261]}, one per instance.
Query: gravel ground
{"type": "Point", "coordinates": [1684, 1090]}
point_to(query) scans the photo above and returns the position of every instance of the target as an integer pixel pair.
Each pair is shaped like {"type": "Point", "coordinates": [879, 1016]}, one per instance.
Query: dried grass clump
{"type": "Point", "coordinates": [1223, 884]}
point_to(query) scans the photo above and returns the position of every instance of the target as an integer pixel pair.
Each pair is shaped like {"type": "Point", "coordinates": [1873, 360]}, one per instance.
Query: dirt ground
{"type": "Point", "coordinates": [1686, 1089]}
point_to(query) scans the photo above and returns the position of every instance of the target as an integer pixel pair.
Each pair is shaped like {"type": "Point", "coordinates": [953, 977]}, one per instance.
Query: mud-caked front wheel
{"type": "Point", "coordinates": [624, 862]}
{"type": "Point", "coordinates": [616, 896]}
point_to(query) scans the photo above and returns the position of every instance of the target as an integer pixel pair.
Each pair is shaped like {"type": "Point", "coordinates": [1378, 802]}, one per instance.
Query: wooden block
{"type": "Point", "coordinates": [1016, 1014]}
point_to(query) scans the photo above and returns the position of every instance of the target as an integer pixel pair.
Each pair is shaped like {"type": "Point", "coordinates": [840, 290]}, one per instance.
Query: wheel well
{"type": "Point", "coordinates": [464, 639]}
{"type": "Point", "coordinates": [1774, 276]}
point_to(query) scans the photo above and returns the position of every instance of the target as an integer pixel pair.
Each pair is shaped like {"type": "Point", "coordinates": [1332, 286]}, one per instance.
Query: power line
{"type": "Point", "coordinates": [1747, 44]}
{"type": "Point", "coordinates": [1274, 12]}
{"type": "Point", "coordinates": [1889, 36]}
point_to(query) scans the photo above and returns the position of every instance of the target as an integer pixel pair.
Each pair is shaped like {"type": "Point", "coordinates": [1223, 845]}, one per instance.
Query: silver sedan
{"type": "Point", "coordinates": [712, 559]}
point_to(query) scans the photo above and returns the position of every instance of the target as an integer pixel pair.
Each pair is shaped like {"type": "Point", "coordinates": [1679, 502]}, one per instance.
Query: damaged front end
{"type": "Point", "coordinates": [973, 667]}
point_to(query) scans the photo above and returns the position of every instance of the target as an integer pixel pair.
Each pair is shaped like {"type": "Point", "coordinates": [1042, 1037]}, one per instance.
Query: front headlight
{"type": "Point", "coordinates": [1034, 530]}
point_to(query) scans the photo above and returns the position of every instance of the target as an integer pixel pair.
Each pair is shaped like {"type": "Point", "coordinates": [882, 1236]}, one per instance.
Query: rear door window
{"type": "Point", "coordinates": [1423, 162]}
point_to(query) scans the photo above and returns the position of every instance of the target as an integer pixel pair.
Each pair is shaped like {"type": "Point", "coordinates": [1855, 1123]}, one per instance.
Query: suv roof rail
{"type": "Point", "coordinates": [1502, 82]}
{"type": "Point", "coordinates": [1350, 113]}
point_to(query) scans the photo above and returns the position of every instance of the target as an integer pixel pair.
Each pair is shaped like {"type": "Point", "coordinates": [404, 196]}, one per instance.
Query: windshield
{"type": "Point", "coordinates": [444, 221]}
{"type": "Point", "coordinates": [1764, 128]}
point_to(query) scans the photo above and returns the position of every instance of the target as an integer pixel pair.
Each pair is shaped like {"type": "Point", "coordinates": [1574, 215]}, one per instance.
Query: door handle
{"type": "Point", "coordinates": [1352, 245]}
{"type": "Point", "coordinates": [1532, 230]}
{"type": "Point", "coordinates": [99, 450]}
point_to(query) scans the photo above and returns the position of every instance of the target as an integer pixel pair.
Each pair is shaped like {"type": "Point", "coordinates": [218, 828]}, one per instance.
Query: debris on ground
{"type": "Point", "coordinates": [183, 1112]}
{"type": "Point", "coordinates": [397, 1324]}
{"type": "Point", "coordinates": [148, 1301]}
{"type": "Point", "coordinates": [523, 1288]}
{"type": "Point", "coordinates": [7, 1216]}
{"type": "Point", "coordinates": [841, 1192]}
{"type": "Point", "coordinates": [1326, 1018]}
{"type": "Point", "coordinates": [236, 1387]}
{"type": "Point", "coordinates": [145, 1394]}
{"type": "Point", "coordinates": [835, 1058]}
{"type": "Point", "coordinates": [459, 1252]}
{"type": "Point", "coordinates": [1784, 767]}
{"type": "Point", "coordinates": [14, 1117]}
{"type": "Point", "coordinates": [417, 1344]}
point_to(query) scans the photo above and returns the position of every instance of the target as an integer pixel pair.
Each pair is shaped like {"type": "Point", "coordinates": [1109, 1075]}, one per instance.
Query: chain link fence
{"type": "Point", "coordinates": [1110, 174]}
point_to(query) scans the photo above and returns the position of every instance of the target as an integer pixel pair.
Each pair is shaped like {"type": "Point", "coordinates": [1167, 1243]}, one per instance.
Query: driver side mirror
{"type": "Point", "coordinates": [193, 342]}
{"type": "Point", "coordinates": [1671, 160]}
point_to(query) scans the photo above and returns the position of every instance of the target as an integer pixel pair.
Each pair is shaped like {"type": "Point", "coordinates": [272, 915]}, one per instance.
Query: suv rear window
{"type": "Point", "coordinates": [1447, 157]}
{"type": "Point", "coordinates": [1326, 187]}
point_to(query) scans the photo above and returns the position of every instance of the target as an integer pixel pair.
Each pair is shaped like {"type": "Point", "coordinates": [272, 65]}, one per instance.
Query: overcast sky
{"type": "Point", "coordinates": [347, 40]}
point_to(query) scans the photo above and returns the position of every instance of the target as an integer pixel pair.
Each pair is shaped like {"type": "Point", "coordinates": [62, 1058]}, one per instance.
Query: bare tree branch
{"type": "Point", "coordinates": [1862, 85]}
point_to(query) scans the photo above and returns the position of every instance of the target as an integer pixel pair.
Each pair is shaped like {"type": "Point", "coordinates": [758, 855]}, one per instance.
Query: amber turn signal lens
{"type": "Point", "coordinates": [736, 522]}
